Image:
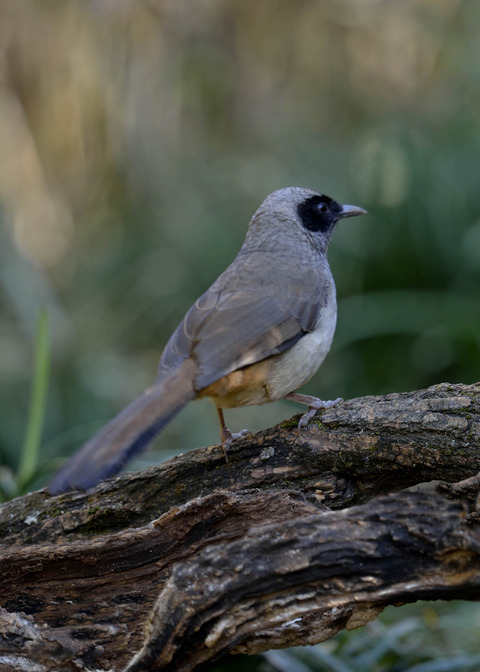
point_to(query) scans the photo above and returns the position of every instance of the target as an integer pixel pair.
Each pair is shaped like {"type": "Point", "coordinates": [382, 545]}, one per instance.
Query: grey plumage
{"type": "Point", "coordinates": [264, 301]}
{"type": "Point", "coordinates": [258, 333]}
{"type": "Point", "coordinates": [128, 433]}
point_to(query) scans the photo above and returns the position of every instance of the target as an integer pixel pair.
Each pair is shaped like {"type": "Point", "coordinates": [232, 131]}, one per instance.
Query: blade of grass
{"type": "Point", "coordinates": [30, 450]}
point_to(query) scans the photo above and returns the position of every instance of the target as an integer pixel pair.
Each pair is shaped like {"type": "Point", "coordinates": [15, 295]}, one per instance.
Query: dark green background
{"type": "Point", "coordinates": [138, 138]}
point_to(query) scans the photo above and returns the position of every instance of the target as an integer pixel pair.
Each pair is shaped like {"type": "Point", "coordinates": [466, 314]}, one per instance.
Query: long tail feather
{"type": "Point", "coordinates": [127, 434]}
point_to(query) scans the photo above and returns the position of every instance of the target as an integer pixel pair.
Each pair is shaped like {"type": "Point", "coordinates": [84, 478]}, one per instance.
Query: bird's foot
{"type": "Point", "coordinates": [229, 437]}
{"type": "Point", "coordinates": [314, 404]}
{"type": "Point", "coordinates": [317, 405]}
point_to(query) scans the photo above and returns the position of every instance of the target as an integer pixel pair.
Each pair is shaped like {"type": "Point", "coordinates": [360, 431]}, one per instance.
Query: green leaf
{"type": "Point", "coordinates": [30, 451]}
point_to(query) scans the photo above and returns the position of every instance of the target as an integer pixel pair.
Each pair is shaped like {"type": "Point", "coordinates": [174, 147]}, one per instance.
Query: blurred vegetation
{"type": "Point", "coordinates": [427, 639]}
{"type": "Point", "coordinates": [138, 137]}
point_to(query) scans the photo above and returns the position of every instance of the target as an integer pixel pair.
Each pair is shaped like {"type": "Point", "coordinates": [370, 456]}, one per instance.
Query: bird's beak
{"type": "Point", "coordinates": [351, 211]}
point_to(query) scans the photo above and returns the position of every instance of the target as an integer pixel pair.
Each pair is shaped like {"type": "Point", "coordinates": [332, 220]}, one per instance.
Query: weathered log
{"type": "Point", "coordinates": [293, 539]}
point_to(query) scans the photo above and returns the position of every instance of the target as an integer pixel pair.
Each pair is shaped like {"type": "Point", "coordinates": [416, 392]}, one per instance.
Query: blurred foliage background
{"type": "Point", "coordinates": [137, 138]}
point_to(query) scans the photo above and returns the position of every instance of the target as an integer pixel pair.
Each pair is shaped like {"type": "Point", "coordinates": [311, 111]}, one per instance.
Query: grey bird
{"type": "Point", "coordinates": [258, 334]}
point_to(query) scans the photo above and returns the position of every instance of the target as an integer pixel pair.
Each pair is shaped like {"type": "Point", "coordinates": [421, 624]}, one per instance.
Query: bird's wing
{"type": "Point", "coordinates": [252, 312]}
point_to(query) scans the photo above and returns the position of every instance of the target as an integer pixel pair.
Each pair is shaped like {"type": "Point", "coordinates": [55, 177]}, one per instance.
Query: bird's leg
{"type": "Point", "coordinates": [226, 436]}
{"type": "Point", "coordinates": [314, 404]}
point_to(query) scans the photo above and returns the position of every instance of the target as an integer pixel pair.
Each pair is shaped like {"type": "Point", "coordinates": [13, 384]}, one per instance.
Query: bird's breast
{"type": "Point", "coordinates": [296, 366]}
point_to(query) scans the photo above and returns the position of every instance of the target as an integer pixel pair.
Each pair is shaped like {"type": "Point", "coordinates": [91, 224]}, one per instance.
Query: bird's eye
{"type": "Point", "coordinates": [317, 213]}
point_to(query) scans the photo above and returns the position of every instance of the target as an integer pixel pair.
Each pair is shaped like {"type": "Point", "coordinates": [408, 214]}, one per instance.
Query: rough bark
{"type": "Point", "coordinates": [294, 539]}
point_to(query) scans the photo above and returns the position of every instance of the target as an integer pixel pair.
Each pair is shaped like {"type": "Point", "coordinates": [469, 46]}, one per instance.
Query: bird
{"type": "Point", "coordinates": [256, 335]}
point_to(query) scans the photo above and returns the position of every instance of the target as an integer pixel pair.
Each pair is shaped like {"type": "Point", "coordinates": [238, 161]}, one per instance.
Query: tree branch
{"type": "Point", "coordinates": [296, 538]}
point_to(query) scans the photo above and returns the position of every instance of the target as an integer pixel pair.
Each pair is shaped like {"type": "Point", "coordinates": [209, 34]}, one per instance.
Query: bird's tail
{"type": "Point", "coordinates": [128, 433]}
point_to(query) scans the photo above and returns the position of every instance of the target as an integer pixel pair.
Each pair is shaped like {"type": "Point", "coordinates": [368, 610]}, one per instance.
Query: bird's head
{"type": "Point", "coordinates": [300, 214]}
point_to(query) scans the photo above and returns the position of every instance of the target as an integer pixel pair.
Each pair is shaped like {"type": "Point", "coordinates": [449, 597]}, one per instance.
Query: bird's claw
{"type": "Point", "coordinates": [229, 437]}
{"type": "Point", "coordinates": [317, 405]}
